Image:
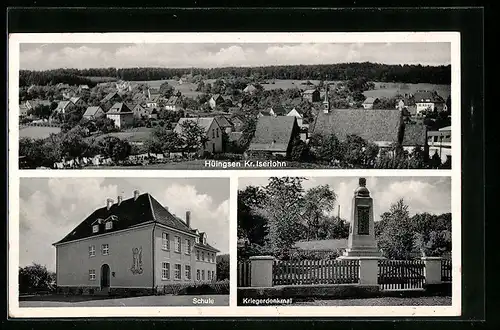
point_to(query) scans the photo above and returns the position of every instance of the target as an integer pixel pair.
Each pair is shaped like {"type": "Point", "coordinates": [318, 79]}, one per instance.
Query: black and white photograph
{"type": "Point", "coordinates": [345, 241]}
{"type": "Point", "coordinates": [235, 105]}
{"type": "Point", "coordinates": [121, 242]}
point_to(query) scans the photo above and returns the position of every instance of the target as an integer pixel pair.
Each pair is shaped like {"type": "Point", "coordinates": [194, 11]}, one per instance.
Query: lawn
{"type": "Point", "coordinates": [38, 132]}
{"type": "Point", "coordinates": [382, 301]}
{"type": "Point", "coordinates": [90, 301]}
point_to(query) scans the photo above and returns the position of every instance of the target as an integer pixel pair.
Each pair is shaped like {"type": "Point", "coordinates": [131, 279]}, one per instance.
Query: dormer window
{"type": "Point", "coordinates": [95, 228]}
{"type": "Point", "coordinates": [197, 240]}
{"type": "Point", "coordinates": [109, 225]}
{"type": "Point", "coordinates": [204, 240]}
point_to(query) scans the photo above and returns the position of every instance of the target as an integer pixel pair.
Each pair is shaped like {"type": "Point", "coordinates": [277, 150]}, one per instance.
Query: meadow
{"type": "Point", "coordinates": [38, 132]}
{"type": "Point", "coordinates": [392, 89]}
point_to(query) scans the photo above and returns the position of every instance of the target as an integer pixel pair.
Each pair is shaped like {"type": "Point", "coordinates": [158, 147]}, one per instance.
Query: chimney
{"type": "Point", "coordinates": [188, 218]}
{"type": "Point", "coordinates": [109, 202]}
{"type": "Point", "coordinates": [136, 194]}
{"type": "Point", "coordinates": [119, 199]}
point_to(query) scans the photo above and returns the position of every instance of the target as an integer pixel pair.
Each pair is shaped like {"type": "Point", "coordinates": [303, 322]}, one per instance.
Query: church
{"type": "Point", "coordinates": [133, 245]}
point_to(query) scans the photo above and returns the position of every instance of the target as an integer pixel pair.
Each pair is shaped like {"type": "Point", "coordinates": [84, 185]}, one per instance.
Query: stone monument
{"type": "Point", "coordinates": [361, 241]}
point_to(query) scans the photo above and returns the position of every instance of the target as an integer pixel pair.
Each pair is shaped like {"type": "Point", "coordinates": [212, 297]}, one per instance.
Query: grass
{"type": "Point", "coordinates": [144, 301]}
{"type": "Point", "coordinates": [382, 301]}
{"type": "Point", "coordinates": [139, 134]}
{"type": "Point", "coordinates": [38, 132]}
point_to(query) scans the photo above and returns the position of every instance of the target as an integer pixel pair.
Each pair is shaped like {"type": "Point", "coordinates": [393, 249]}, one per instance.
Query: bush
{"type": "Point", "coordinates": [221, 287]}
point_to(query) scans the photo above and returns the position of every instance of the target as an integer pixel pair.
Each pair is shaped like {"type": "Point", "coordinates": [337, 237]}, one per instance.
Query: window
{"type": "Point", "coordinates": [213, 133]}
{"type": "Point", "coordinates": [202, 256]}
{"type": "Point", "coordinates": [198, 255]}
{"type": "Point", "coordinates": [203, 275]}
{"type": "Point", "coordinates": [197, 274]}
{"type": "Point", "coordinates": [197, 239]}
{"type": "Point", "coordinates": [165, 271]}
{"type": "Point", "coordinates": [177, 274]}
{"type": "Point", "coordinates": [109, 225]}
{"type": "Point", "coordinates": [177, 244]}
{"type": "Point", "coordinates": [92, 251]}
{"type": "Point", "coordinates": [217, 131]}
{"type": "Point", "coordinates": [92, 274]}
{"type": "Point", "coordinates": [188, 246]}
{"type": "Point", "coordinates": [188, 272]}
{"type": "Point", "coordinates": [95, 229]}
{"type": "Point", "coordinates": [204, 240]}
{"type": "Point", "coordinates": [165, 242]}
{"type": "Point", "coordinates": [105, 249]}
{"type": "Point", "coordinates": [209, 275]}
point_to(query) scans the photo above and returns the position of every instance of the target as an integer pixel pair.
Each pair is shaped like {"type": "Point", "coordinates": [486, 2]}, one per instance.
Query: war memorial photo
{"type": "Point", "coordinates": [390, 247]}
{"type": "Point", "coordinates": [88, 242]}
{"type": "Point", "coordinates": [234, 105]}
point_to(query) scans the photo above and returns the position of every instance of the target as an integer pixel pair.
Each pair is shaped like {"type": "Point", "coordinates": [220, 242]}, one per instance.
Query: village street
{"type": "Point", "coordinates": [165, 300]}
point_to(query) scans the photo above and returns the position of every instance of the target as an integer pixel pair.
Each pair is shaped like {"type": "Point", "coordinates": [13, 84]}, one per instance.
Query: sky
{"type": "Point", "coordinates": [52, 207]}
{"type": "Point", "coordinates": [421, 194]}
{"type": "Point", "coordinates": [210, 55]}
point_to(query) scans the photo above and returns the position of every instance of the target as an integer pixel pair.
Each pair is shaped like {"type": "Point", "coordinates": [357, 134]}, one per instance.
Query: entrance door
{"type": "Point", "coordinates": [105, 275]}
{"type": "Point", "coordinates": [213, 148]}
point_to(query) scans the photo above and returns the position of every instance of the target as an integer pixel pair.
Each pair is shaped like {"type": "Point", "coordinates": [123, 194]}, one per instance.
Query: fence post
{"type": "Point", "coordinates": [432, 270]}
{"type": "Point", "coordinates": [368, 270]}
{"type": "Point", "coordinates": [261, 271]}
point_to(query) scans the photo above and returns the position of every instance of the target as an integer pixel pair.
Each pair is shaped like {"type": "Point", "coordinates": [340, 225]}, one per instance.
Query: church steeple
{"type": "Point", "coordinates": [326, 102]}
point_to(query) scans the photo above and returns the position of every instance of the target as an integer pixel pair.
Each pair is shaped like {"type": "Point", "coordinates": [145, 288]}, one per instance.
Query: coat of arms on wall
{"type": "Point", "coordinates": [136, 261]}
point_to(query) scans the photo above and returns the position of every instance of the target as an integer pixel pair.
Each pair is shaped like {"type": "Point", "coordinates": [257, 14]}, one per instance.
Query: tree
{"type": "Point", "coordinates": [41, 111]}
{"type": "Point", "coordinates": [121, 150]}
{"type": "Point", "coordinates": [162, 140]}
{"type": "Point", "coordinates": [106, 145]}
{"type": "Point", "coordinates": [105, 125]}
{"type": "Point", "coordinates": [36, 278]}
{"type": "Point", "coordinates": [318, 201]}
{"type": "Point", "coordinates": [327, 148]}
{"type": "Point", "coordinates": [73, 145]}
{"type": "Point", "coordinates": [222, 266]}
{"type": "Point", "coordinates": [192, 135]}
{"type": "Point", "coordinates": [396, 239]}
{"type": "Point", "coordinates": [251, 224]}
{"type": "Point", "coordinates": [282, 208]}
{"type": "Point", "coordinates": [166, 89]}
{"type": "Point", "coordinates": [300, 150]}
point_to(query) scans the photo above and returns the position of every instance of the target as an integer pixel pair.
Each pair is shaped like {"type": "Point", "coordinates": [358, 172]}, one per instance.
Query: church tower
{"type": "Point", "coordinates": [326, 102]}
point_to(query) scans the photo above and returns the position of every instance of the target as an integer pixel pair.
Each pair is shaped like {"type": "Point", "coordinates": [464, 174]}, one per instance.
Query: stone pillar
{"type": "Point", "coordinates": [362, 241]}
{"type": "Point", "coordinates": [432, 270]}
{"type": "Point", "coordinates": [261, 271]}
{"type": "Point", "coordinates": [368, 270]}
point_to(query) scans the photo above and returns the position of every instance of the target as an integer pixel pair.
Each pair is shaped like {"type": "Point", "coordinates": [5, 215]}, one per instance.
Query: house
{"type": "Point", "coordinates": [440, 142]}
{"type": "Point", "coordinates": [132, 244]}
{"type": "Point", "coordinates": [121, 114]}
{"type": "Point", "coordinates": [93, 113]}
{"type": "Point", "coordinates": [297, 113]}
{"type": "Point", "coordinates": [429, 100]}
{"type": "Point", "coordinates": [212, 131]}
{"type": "Point", "coordinates": [369, 102]}
{"type": "Point", "coordinates": [141, 111]}
{"type": "Point", "coordinates": [23, 110]}
{"type": "Point", "coordinates": [78, 101]}
{"type": "Point", "coordinates": [83, 90]}
{"type": "Point", "coordinates": [173, 103]}
{"type": "Point", "coordinates": [274, 135]}
{"type": "Point", "coordinates": [224, 124]}
{"type": "Point", "coordinates": [215, 100]}
{"type": "Point", "coordinates": [68, 93]}
{"type": "Point", "coordinates": [123, 86]}
{"type": "Point", "coordinates": [110, 99]}
{"type": "Point", "coordinates": [237, 122]}
{"type": "Point", "coordinates": [311, 95]}
{"type": "Point", "coordinates": [64, 106]}
{"type": "Point", "coordinates": [415, 134]}
{"type": "Point", "coordinates": [32, 104]}
{"type": "Point", "coordinates": [278, 110]}
{"type": "Point", "coordinates": [382, 127]}
{"type": "Point", "coordinates": [250, 89]}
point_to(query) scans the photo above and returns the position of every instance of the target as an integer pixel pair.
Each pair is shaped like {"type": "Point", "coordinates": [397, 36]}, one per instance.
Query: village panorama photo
{"type": "Point", "coordinates": [121, 242]}
{"type": "Point", "coordinates": [345, 241]}
{"type": "Point", "coordinates": [235, 105]}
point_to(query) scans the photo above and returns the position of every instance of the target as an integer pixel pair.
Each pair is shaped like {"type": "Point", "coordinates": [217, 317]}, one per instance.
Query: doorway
{"type": "Point", "coordinates": [105, 276]}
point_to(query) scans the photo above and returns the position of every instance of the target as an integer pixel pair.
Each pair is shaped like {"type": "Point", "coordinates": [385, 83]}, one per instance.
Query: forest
{"type": "Point", "coordinates": [343, 71]}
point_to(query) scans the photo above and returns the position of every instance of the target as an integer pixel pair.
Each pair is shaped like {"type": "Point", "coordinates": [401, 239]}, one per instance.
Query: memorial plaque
{"type": "Point", "coordinates": [363, 220]}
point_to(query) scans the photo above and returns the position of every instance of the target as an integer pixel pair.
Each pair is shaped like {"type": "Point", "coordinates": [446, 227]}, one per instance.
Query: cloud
{"type": "Point", "coordinates": [51, 208]}
{"type": "Point", "coordinates": [51, 56]}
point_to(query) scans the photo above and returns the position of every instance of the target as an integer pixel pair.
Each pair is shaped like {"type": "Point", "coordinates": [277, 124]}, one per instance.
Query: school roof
{"type": "Point", "coordinates": [273, 134]}
{"type": "Point", "coordinates": [415, 134]}
{"type": "Point", "coordinates": [203, 122]}
{"type": "Point", "coordinates": [129, 213]}
{"type": "Point", "coordinates": [119, 108]}
{"type": "Point", "coordinates": [91, 111]}
{"type": "Point", "coordinates": [371, 125]}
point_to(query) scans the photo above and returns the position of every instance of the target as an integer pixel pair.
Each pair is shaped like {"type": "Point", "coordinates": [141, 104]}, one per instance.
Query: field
{"type": "Point", "coordinates": [38, 132]}
{"type": "Point", "coordinates": [89, 301]}
{"type": "Point", "coordinates": [187, 89]}
{"type": "Point", "coordinates": [132, 135]}
{"type": "Point", "coordinates": [391, 89]}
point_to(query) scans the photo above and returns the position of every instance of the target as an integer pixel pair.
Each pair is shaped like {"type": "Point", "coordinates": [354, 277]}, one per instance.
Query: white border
{"type": "Point", "coordinates": [232, 310]}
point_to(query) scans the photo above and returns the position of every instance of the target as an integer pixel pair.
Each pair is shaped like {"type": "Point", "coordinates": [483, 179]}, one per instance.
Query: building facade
{"type": "Point", "coordinates": [133, 245]}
